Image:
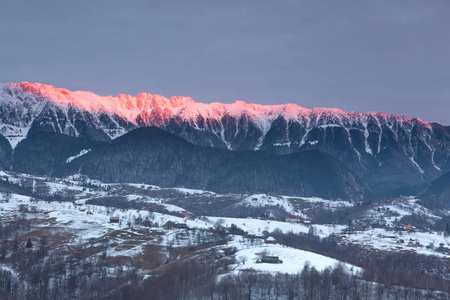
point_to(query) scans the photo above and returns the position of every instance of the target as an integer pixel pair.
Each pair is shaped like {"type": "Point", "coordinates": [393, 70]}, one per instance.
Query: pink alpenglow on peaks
{"type": "Point", "coordinates": [147, 109]}
{"type": "Point", "coordinates": [125, 106]}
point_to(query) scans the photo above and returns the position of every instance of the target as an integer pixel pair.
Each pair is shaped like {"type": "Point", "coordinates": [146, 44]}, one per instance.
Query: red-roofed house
{"type": "Point", "coordinates": [291, 218]}
{"type": "Point", "coordinates": [270, 240]}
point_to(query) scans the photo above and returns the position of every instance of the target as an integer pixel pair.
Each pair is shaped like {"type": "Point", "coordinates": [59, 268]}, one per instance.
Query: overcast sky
{"type": "Point", "coordinates": [391, 56]}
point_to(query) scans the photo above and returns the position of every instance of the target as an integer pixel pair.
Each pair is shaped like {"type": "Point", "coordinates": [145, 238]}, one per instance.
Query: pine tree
{"type": "Point", "coordinates": [29, 244]}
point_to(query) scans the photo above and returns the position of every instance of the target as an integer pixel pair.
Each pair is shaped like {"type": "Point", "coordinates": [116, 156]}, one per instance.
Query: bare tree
{"type": "Point", "coordinates": [243, 259]}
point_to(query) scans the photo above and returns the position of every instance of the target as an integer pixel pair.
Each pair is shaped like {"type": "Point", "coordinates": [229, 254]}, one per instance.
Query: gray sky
{"type": "Point", "coordinates": [391, 56]}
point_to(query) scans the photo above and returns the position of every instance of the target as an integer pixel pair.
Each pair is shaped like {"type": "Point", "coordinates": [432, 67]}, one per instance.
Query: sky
{"type": "Point", "coordinates": [390, 56]}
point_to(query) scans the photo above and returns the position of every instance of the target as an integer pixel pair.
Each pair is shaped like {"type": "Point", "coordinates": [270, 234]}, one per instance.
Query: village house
{"type": "Point", "coordinates": [291, 219]}
{"type": "Point", "coordinates": [270, 240]}
{"type": "Point", "coordinates": [443, 249]}
{"type": "Point", "coordinates": [174, 225]}
{"type": "Point", "coordinates": [269, 260]}
{"type": "Point", "coordinates": [169, 225]}
{"type": "Point", "coordinates": [414, 243]}
{"type": "Point", "coordinates": [409, 227]}
{"type": "Point", "coordinates": [184, 213]}
{"type": "Point", "coordinates": [114, 219]}
{"type": "Point", "coordinates": [181, 226]}
{"type": "Point", "coordinates": [249, 235]}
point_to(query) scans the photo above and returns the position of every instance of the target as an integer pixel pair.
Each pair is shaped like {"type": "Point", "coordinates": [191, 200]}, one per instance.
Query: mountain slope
{"type": "Point", "coordinates": [5, 153]}
{"type": "Point", "coordinates": [388, 151]}
{"type": "Point", "coordinates": [45, 153]}
{"type": "Point", "coordinates": [154, 156]}
{"type": "Point", "coordinates": [439, 190]}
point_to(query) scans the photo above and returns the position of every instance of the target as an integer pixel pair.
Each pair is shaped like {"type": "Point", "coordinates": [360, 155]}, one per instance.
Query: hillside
{"type": "Point", "coordinates": [5, 153]}
{"type": "Point", "coordinates": [45, 153]}
{"type": "Point", "coordinates": [59, 238]}
{"type": "Point", "coordinates": [154, 156]}
{"type": "Point", "coordinates": [439, 190]}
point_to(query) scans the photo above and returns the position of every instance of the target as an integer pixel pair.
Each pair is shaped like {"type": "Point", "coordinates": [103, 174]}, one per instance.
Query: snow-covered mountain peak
{"type": "Point", "coordinates": [370, 143]}
{"type": "Point", "coordinates": [143, 108]}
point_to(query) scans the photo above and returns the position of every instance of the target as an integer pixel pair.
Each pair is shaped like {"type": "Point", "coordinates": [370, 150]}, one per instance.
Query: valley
{"type": "Point", "coordinates": [105, 237]}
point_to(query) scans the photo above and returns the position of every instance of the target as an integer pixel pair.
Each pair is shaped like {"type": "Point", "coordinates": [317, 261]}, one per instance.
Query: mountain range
{"type": "Point", "coordinates": [389, 152]}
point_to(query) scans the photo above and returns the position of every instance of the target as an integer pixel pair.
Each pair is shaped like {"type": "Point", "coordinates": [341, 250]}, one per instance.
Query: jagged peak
{"type": "Point", "coordinates": [329, 111]}
{"type": "Point", "coordinates": [396, 118]}
{"type": "Point", "coordinates": [131, 107]}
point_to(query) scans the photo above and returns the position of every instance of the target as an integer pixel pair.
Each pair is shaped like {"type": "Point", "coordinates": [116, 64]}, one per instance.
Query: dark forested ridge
{"type": "Point", "coordinates": [5, 153]}
{"type": "Point", "coordinates": [151, 155]}
{"type": "Point", "coordinates": [46, 153]}
{"type": "Point", "coordinates": [439, 190]}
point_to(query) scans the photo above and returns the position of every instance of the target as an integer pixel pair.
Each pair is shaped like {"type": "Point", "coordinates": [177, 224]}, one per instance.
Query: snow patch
{"type": "Point", "coordinates": [294, 260]}
{"type": "Point", "coordinates": [82, 152]}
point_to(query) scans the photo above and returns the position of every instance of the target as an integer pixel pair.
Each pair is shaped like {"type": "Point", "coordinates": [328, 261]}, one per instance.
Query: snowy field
{"type": "Point", "coordinates": [87, 221]}
{"type": "Point", "coordinates": [294, 260]}
{"type": "Point", "coordinates": [388, 241]}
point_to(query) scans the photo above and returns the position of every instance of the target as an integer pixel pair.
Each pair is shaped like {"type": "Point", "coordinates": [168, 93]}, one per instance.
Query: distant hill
{"type": "Point", "coordinates": [46, 153]}
{"type": "Point", "coordinates": [439, 190]}
{"type": "Point", "coordinates": [5, 153]}
{"type": "Point", "coordinates": [151, 155]}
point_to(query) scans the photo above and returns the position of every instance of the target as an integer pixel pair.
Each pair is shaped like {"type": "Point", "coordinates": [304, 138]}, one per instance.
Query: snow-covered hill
{"type": "Point", "coordinates": [80, 228]}
{"type": "Point", "coordinates": [376, 226]}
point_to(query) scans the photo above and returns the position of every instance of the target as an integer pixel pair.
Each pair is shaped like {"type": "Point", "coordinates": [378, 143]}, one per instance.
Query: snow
{"type": "Point", "coordinates": [85, 221]}
{"type": "Point", "coordinates": [64, 214]}
{"type": "Point", "coordinates": [381, 239]}
{"type": "Point", "coordinates": [366, 142]}
{"type": "Point", "coordinates": [129, 107]}
{"type": "Point", "coordinates": [416, 164]}
{"type": "Point", "coordinates": [77, 178]}
{"type": "Point", "coordinates": [293, 260]}
{"type": "Point", "coordinates": [10, 270]}
{"type": "Point", "coordinates": [282, 144]}
{"type": "Point", "coordinates": [256, 226]}
{"type": "Point", "coordinates": [142, 185]}
{"type": "Point", "coordinates": [260, 200]}
{"type": "Point", "coordinates": [192, 191]}
{"type": "Point", "coordinates": [403, 207]}
{"type": "Point", "coordinates": [285, 202]}
{"type": "Point", "coordinates": [328, 126]}
{"type": "Point", "coordinates": [82, 152]}
{"type": "Point", "coordinates": [14, 134]}
{"type": "Point", "coordinates": [330, 204]}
